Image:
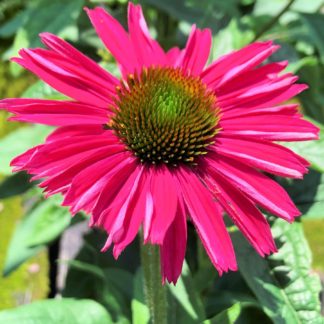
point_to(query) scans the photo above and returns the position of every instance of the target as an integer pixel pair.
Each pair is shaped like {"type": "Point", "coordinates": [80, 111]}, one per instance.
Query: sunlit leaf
{"type": "Point", "coordinates": [284, 284]}
{"type": "Point", "coordinates": [65, 311]}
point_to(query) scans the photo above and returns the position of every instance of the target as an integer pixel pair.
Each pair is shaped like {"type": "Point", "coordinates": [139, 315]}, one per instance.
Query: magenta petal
{"type": "Point", "coordinates": [54, 113]}
{"type": "Point", "coordinates": [148, 51]}
{"type": "Point", "coordinates": [260, 188]}
{"type": "Point", "coordinates": [208, 221]}
{"type": "Point", "coordinates": [90, 67]}
{"type": "Point", "coordinates": [262, 155]}
{"type": "Point", "coordinates": [115, 38]}
{"type": "Point", "coordinates": [121, 206]}
{"type": "Point", "coordinates": [196, 51]}
{"type": "Point", "coordinates": [231, 65]}
{"type": "Point", "coordinates": [281, 128]}
{"type": "Point", "coordinates": [141, 208]}
{"type": "Point", "coordinates": [67, 82]}
{"type": "Point", "coordinates": [164, 195]}
{"type": "Point", "coordinates": [88, 184]}
{"type": "Point", "coordinates": [173, 249]}
{"type": "Point", "coordinates": [243, 213]}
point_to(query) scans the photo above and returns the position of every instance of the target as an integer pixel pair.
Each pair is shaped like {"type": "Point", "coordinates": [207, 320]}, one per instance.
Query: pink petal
{"type": "Point", "coordinates": [141, 208]}
{"type": "Point", "coordinates": [88, 184]}
{"type": "Point", "coordinates": [174, 56]}
{"type": "Point", "coordinates": [95, 71]}
{"type": "Point", "coordinates": [196, 51]}
{"type": "Point", "coordinates": [283, 110]}
{"type": "Point", "coordinates": [243, 213]}
{"type": "Point", "coordinates": [208, 221]}
{"type": "Point", "coordinates": [53, 112]}
{"type": "Point", "coordinates": [173, 249]}
{"type": "Point", "coordinates": [120, 207]}
{"type": "Point", "coordinates": [62, 79]}
{"type": "Point", "coordinates": [280, 127]}
{"type": "Point", "coordinates": [260, 188]}
{"type": "Point", "coordinates": [265, 100]}
{"type": "Point", "coordinates": [262, 75]}
{"type": "Point", "coordinates": [231, 65]}
{"type": "Point", "coordinates": [115, 38]}
{"type": "Point", "coordinates": [164, 194]}
{"type": "Point", "coordinates": [262, 155]}
{"type": "Point", "coordinates": [148, 51]}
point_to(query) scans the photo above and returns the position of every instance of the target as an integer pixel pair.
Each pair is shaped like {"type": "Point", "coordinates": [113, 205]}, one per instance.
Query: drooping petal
{"type": "Point", "coordinates": [141, 208]}
{"type": "Point", "coordinates": [54, 112]}
{"type": "Point", "coordinates": [243, 213]}
{"type": "Point", "coordinates": [208, 221]}
{"type": "Point", "coordinates": [88, 184]}
{"type": "Point", "coordinates": [173, 249]}
{"type": "Point", "coordinates": [119, 207]}
{"type": "Point", "coordinates": [259, 154]}
{"type": "Point", "coordinates": [260, 188]}
{"type": "Point", "coordinates": [164, 195]}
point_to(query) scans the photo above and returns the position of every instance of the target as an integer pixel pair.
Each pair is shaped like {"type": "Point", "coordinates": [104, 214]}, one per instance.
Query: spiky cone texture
{"type": "Point", "coordinates": [172, 140]}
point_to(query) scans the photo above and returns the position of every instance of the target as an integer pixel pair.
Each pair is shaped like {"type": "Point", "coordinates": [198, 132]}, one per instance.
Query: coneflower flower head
{"type": "Point", "coordinates": [172, 140]}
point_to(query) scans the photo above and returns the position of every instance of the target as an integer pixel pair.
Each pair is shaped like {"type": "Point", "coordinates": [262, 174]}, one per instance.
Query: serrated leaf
{"type": "Point", "coordinates": [19, 141]}
{"type": "Point", "coordinates": [39, 227]}
{"type": "Point", "coordinates": [65, 311]}
{"type": "Point", "coordinates": [284, 284]}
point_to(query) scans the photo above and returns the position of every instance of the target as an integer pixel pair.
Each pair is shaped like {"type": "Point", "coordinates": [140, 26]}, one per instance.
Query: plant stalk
{"type": "Point", "coordinates": [154, 291]}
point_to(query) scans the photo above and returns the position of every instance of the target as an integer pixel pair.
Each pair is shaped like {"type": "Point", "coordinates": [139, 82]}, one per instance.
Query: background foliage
{"type": "Point", "coordinates": [283, 288]}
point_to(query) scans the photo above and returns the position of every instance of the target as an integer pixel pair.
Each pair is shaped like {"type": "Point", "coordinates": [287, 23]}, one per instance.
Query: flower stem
{"type": "Point", "coordinates": [155, 292]}
{"type": "Point", "coordinates": [273, 21]}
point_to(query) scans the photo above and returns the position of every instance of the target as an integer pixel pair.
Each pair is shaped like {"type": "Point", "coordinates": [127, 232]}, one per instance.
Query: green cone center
{"type": "Point", "coordinates": [164, 116]}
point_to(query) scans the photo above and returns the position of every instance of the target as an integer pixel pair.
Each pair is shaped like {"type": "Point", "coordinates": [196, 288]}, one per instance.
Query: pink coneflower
{"type": "Point", "coordinates": [172, 140]}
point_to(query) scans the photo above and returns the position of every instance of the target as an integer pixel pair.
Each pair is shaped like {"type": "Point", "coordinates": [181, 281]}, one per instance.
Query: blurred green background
{"type": "Point", "coordinates": [31, 228]}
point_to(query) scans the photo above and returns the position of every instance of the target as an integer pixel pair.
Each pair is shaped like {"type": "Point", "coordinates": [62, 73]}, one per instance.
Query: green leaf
{"type": "Point", "coordinates": [50, 220]}
{"type": "Point", "coordinates": [285, 286]}
{"type": "Point", "coordinates": [42, 90]}
{"type": "Point", "coordinates": [58, 17]}
{"type": "Point", "coordinates": [65, 311]}
{"type": "Point", "coordinates": [229, 315]}
{"type": "Point", "coordinates": [111, 287]}
{"type": "Point", "coordinates": [315, 24]}
{"type": "Point", "coordinates": [230, 38]}
{"type": "Point", "coordinates": [313, 99]}
{"type": "Point", "coordinates": [15, 185]}
{"type": "Point", "coordinates": [308, 194]}
{"type": "Point", "coordinates": [205, 13]}
{"type": "Point", "coordinates": [19, 141]}
{"type": "Point", "coordinates": [40, 226]}
{"type": "Point", "coordinates": [312, 151]}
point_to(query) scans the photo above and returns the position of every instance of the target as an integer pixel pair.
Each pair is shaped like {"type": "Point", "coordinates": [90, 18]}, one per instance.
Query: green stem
{"type": "Point", "coordinates": [155, 292]}
{"type": "Point", "coordinates": [273, 21]}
